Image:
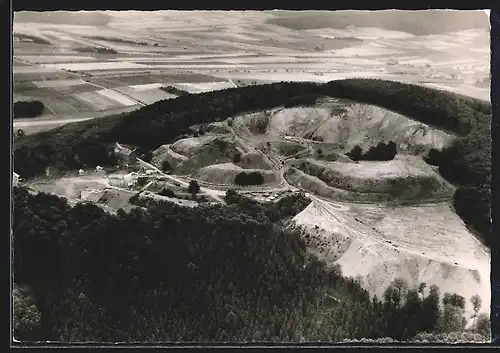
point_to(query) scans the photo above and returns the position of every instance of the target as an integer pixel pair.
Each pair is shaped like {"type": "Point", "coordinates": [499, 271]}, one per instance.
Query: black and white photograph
{"type": "Point", "coordinates": [251, 177]}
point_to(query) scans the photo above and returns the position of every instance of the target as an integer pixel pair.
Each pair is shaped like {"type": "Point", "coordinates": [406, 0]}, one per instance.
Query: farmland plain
{"type": "Point", "coordinates": [196, 55]}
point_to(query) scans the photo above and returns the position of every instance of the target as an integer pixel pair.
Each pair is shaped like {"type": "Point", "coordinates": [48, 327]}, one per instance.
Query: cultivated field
{"type": "Point", "coordinates": [199, 55]}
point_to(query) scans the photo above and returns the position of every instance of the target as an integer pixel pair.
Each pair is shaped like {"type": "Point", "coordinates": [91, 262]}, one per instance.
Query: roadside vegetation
{"type": "Point", "coordinates": [228, 273]}
{"type": "Point", "coordinates": [465, 164]}
{"type": "Point", "coordinates": [28, 109]}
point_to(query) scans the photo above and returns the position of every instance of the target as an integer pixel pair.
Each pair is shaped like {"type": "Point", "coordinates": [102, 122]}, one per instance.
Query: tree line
{"type": "Point", "coordinates": [208, 274]}
{"type": "Point", "coordinates": [28, 109]}
{"type": "Point", "coordinates": [380, 152]}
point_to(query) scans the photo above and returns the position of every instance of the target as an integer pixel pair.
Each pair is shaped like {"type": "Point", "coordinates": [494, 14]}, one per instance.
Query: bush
{"type": "Point", "coordinates": [20, 133]}
{"type": "Point", "coordinates": [193, 188]}
{"type": "Point", "coordinates": [237, 157]}
{"type": "Point", "coordinates": [261, 124]}
{"type": "Point", "coordinates": [250, 178]}
{"type": "Point", "coordinates": [167, 192]}
{"type": "Point", "coordinates": [356, 153]}
{"type": "Point", "coordinates": [452, 337]}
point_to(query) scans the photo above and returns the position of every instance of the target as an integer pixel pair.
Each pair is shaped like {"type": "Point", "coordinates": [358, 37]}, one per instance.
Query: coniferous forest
{"type": "Point", "coordinates": [214, 273]}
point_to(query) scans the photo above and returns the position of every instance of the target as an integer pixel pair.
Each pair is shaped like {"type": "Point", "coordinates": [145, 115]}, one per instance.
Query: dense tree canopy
{"type": "Point", "coordinates": [249, 178]}
{"type": "Point", "coordinates": [28, 109]}
{"type": "Point", "coordinates": [210, 273]}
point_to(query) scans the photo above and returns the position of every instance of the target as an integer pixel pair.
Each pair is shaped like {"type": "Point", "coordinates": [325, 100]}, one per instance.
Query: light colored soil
{"type": "Point", "coordinates": [146, 96]}
{"type": "Point", "coordinates": [360, 124]}
{"type": "Point", "coordinates": [59, 83]}
{"type": "Point", "coordinates": [47, 59]}
{"type": "Point", "coordinates": [33, 69]}
{"type": "Point", "coordinates": [254, 160]}
{"type": "Point", "coordinates": [117, 97]}
{"type": "Point", "coordinates": [202, 86]}
{"type": "Point", "coordinates": [90, 66]}
{"type": "Point", "coordinates": [420, 244]}
{"type": "Point", "coordinates": [96, 100]}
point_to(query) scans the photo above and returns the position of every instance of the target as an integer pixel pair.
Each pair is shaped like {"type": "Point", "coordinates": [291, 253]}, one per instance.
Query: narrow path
{"type": "Point", "coordinates": [232, 83]}
{"type": "Point", "coordinates": [213, 193]}
{"type": "Point", "coordinates": [52, 110]}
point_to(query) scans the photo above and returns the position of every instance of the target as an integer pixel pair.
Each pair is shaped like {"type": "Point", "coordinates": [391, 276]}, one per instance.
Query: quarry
{"type": "Point", "coordinates": [377, 219]}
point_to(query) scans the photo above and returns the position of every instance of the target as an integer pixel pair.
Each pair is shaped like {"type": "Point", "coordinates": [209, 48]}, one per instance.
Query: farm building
{"type": "Point", "coordinates": [126, 154]}
{"type": "Point", "coordinates": [15, 179]}
{"type": "Point", "coordinates": [99, 170]}
{"type": "Point", "coordinates": [127, 180]}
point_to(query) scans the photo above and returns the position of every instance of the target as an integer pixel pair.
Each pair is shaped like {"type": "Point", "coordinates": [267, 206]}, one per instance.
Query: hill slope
{"type": "Point", "coordinates": [466, 163]}
{"type": "Point", "coordinates": [229, 274]}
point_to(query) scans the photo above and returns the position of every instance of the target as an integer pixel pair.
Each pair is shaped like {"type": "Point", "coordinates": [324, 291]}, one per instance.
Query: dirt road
{"type": "Point", "coordinates": [216, 194]}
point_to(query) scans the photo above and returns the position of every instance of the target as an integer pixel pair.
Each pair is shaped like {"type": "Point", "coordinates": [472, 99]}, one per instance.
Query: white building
{"type": "Point", "coordinates": [15, 179]}
{"type": "Point", "coordinates": [81, 172]}
{"type": "Point", "coordinates": [121, 180]}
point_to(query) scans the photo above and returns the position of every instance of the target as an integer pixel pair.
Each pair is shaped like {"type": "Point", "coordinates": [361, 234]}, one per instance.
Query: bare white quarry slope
{"type": "Point", "coordinates": [426, 243]}
{"type": "Point", "coordinates": [359, 124]}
